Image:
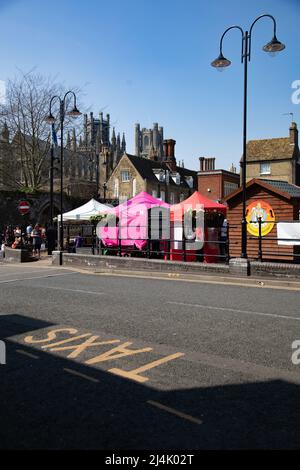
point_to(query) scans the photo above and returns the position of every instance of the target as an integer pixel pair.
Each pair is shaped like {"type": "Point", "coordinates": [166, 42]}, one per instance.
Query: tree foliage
{"type": "Point", "coordinates": [24, 110]}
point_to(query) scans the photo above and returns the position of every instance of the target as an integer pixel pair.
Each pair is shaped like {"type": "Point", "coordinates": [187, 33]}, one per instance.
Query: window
{"type": "Point", "coordinates": [265, 169]}
{"type": "Point", "coordinates": [154, 193]}
{"type": "Point", "coordinates": [172, 198]}
{"type": "Point", "coordinates": [176, 178]}
{"type": "Point", "coordinates": [190, 181]}
{"type": "Point", "coordinates": [133, 187]}
{"type": "Point", "coordinates": [229, 187]}
{"type": "Point", "coordinates": [125, 177]}
{"type": "Point", "coordinates": [116, 188]}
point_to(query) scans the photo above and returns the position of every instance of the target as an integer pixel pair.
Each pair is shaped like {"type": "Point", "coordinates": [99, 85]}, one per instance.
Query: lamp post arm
{"type": "Point", "coordinates": [70, 92]}
{"type": "Point", "coordinates": [254, 22]}
{"type": "Point", "coordinates": [51, 101]}
{"type": "Point", "coordinates": [225, 32]}
{"type": "Point", "coordinates": [259, 18]}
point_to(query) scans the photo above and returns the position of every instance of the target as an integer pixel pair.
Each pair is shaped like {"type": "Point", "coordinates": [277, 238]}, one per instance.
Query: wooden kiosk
{"type": "Point", "coordinates": [272, 200]}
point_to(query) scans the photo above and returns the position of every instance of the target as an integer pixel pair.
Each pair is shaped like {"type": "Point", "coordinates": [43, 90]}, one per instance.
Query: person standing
{"type": "Point", "coordinates": [29, 229]}
{"type": "Point", "coordinates": [36, 241]}
{"type": "Point", "coordinates": [223, 239]}
{"type": "Point", "coordinates": [51, 239]}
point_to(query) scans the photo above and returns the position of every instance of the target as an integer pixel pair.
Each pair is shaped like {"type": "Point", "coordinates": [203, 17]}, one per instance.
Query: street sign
{"type": "Point", "coordinates": [23, 207]}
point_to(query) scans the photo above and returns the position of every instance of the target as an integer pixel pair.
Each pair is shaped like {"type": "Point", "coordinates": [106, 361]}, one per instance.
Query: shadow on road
{"type": "Point", "coordinates": [43, 407]}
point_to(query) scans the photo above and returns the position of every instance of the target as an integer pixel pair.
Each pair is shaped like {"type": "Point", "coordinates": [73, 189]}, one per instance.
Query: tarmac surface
{"type": "Point", "coordinates": [123, 362]}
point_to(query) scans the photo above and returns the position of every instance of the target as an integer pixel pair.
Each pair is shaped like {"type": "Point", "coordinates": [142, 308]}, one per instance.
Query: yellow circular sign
{"type": "Point", "coordinates": [256, 210]}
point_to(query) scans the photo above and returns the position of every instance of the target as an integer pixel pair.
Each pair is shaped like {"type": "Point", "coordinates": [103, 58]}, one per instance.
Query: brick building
{"type": "Point", "coordinates": [216, 184]}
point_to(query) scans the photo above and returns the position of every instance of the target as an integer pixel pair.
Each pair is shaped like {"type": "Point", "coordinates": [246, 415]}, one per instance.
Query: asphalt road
{"type": "Point", "coordinates": [107, 362]}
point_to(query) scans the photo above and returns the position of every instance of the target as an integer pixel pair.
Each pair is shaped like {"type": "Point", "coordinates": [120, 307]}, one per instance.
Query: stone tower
{"type": "Point", "coordinates": [99, 146]}
{"type": "Point", "coordinates": [149, 141]}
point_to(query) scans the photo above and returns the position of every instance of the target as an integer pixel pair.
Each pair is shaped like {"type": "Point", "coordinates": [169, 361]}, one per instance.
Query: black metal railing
{"type": "Point", "coordinates": [163, 248]}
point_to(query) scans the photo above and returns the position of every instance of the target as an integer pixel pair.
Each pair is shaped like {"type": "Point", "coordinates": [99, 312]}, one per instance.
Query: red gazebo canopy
{"type": "Point", "coordinates": [194, 202]}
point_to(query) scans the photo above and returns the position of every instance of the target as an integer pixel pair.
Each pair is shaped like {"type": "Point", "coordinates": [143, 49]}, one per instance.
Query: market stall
{"type": "Point", "coordinates": [128, 224]}
{"type": "Point", "coordinates": [78, 221]}
{"type": "Point", "coordinates": [86, 211]}
{"type": "Point", "coordinates": [203, 218]}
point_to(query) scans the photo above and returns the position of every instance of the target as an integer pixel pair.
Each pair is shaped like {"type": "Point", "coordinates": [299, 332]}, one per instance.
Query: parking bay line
{"type": "Point", "coordinates": [73, 290]}
{"type": "Point", "coordinates": [79, 374]}
{"type": "Point", "coordinates": [175, 412]}
{"type": "Point", "coordinates": [224, 309]}
{"type": "Point", "coordinates": [25, 353]}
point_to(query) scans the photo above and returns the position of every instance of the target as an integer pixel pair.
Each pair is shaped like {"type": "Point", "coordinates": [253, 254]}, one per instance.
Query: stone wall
{"type": "Point", "coordinates": [39, 207]}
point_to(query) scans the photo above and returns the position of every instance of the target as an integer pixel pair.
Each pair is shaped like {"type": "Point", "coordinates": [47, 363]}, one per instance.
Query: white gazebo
{"type": "Point", "coordinates": [87, 210]}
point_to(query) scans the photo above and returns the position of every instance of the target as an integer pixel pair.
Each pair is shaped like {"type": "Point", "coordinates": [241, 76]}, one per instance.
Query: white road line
{"type": "Point", "coordinates": [224, 309]}
{"type": "Point", "coordinates": [34, 277]}
{"type": "Point", "coordinates": [25, 353]}
{"type": "Point", "coordinates": [79, 374]}
{"type": "Point", "coordinates": [73, 290]}
{"type": "Point", "coordinates": [22, 272]}
{"type": "Point", "coordinates": [175, 412]}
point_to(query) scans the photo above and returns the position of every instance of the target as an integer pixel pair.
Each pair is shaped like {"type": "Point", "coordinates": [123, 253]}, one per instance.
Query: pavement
{"type": "Point", "coordinates": [101, 361]}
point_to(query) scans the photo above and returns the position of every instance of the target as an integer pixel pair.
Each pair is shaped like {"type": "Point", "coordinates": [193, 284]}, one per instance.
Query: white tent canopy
{"type": "Point", "coordinates": [86, 211]}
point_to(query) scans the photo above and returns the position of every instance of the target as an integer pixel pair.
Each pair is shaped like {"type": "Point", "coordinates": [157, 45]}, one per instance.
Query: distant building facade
{"type": "Point", "coordinates": [216, 184]}
{"type": "Point", "coordinates": [163, 179]}
{"type": "Point", "coordinates": [275, 159]}
{"type": "Point", "coordinates": [88, 160]}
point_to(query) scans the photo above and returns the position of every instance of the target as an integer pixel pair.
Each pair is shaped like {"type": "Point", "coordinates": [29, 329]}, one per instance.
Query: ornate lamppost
{"type": "Point", "coordinates": [74, 112]}
{"type": "Point", "coordinates": [271, 47]}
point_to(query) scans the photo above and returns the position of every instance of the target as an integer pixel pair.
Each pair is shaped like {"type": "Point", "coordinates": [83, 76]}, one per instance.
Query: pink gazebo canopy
{"type": "Point", "coordinates": [133, 220]}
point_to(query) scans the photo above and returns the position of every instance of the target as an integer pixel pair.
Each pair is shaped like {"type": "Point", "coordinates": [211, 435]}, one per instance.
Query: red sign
{"type": "Point", "coordinates": [23, 207]}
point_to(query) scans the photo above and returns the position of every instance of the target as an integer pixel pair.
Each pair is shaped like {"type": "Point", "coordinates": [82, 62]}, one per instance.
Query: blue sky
{"type": "Point", "coordinates": [149, 61]}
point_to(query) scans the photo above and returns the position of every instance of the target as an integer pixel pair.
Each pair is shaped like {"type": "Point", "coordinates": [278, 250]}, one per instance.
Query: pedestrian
{"type": "Point", "coordinates": [51, 239]}
{"type": "Point", "coordinates": [78, 240]}
{"type": "Point", "coordinates": [223, 239]}
{"type": "Point", "coordinates": [9, 236]}
{"type": "Point", "coordinates": [29, 229]}
{"type": "Point", "coordinates": [36, 241]}
{"type": "Point", "coordinates": [18, 233]}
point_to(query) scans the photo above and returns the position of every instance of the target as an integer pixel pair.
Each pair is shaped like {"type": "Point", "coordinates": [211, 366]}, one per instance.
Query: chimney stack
{"type": "Point", "coordinates": [169, 152]}
{"type": "Point", "coordinates": [293, 134]}
{"type": "Point", "coordinates": [207, 164]}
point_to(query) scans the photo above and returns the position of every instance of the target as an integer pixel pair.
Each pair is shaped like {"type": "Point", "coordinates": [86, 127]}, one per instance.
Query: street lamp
{"type": "Point", "coordinates": [273, 47]}
{"type": "Point", "coordinates": [51, 120]}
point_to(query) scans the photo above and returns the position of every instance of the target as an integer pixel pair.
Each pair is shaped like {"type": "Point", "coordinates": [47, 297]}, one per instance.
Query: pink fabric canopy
{"type": "Point", "coordinates": [133, 220]}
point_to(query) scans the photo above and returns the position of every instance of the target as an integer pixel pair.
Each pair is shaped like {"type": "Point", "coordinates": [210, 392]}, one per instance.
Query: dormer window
{"type": "Point", "coordinates": [176, 178]}
{"type": "Point", "coordinates": [189, 180]}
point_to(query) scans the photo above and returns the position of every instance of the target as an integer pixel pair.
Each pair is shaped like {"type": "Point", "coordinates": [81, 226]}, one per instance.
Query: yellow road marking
{"type": "Point", "coordinates": [196, 281]}
{"type": "Point", "coordinates": [64, 341]}
{"type": "Point", "coordinates": [20, 351]}
{"type": "Point", "coordinates": [175, 412]}
{"type": "Point", "coordinates": [116, 353]}
{"type": "Point", "coordinates": [134, 374]}
{"type": "Point", "coordinates": [120, 351]}
{"type": "Point", "coordinates": [79, 348]}
{"type": "Point", "coordinates": [51, 335]}
{"type": "Point", "coordinates": [79, 374]}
